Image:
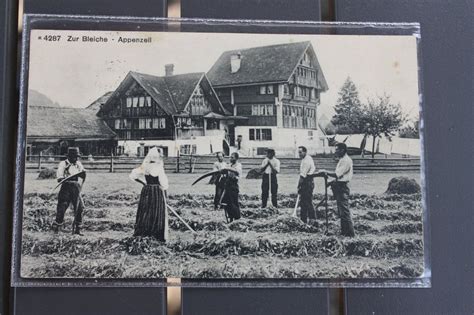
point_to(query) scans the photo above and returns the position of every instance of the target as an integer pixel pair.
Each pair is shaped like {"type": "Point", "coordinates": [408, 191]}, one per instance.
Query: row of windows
{"type": "Point", "coordinates": [266, 89]}
{"type": "Point", "coordinates": [262, 110]}
{"type": "Point", "coordinates": [144, 134]}
{"type": "Point", "coordinates": [298, 111]}
{"type": "Point", "coordinates": [305, 92]}
{"type": "Point", "coordinates": [189, 122]}
{"type": "Point", "coordinates": [260, 134]}
{"type": "Point", "coordinates": [299, 122]}
{"type": "Point", "coordinates": [199, 105]}
{"type": "Point", "coordinates": [141, 123]}
{"type": "Point", "coordinates": [188, 149]}
{"type": "Point", "coordinates": [307, 73]}
{"type": "Point", "coordinates": [138, 101]}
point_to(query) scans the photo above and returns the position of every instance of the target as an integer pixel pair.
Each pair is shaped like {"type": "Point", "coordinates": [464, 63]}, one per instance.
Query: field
{"type": "Point", "coordinates": [264, 243]}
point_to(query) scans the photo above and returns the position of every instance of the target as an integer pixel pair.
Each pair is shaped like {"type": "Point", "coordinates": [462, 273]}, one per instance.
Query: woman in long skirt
{"type": "Point", "coordinates": [152, 215]}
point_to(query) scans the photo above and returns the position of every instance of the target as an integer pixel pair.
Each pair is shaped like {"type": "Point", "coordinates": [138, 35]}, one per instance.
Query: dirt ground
{"type": "Point", "coordinates": [264, 243]}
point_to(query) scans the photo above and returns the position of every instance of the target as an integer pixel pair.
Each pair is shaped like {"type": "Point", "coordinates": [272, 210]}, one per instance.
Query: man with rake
{"type": "Point", "coordinates": [270, 168]}
{"type": "Point", "coordinates": [343, 175]}
{"type": "Point", "coordinates": [306, 186]}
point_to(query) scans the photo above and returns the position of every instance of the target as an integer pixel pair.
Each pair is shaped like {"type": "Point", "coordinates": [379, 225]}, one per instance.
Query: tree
{"type": "Point", "coordinates": [347, 109]}
{"type": "Point", "coordinates": [411, 131]}
{"type": "Point", "coordinates": [381, 117]}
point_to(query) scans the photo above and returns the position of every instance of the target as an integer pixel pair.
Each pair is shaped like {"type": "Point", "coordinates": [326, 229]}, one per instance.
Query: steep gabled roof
{"type": "Point", "coordinates": [182, 86]}
{"type": "Point", "coordinates": [65, 122]}
{"type": "Point", "coordinates": [95, 105]}
{"type": "Point", "coordinates": [172, 93]}
{"type": "Point", "coordinates": [274, 63]}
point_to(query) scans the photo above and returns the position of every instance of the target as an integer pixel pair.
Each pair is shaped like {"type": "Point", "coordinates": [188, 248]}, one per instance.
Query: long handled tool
{"type": "Point", "coordinates": [296, 205]}
{"type": "Point", "coordinates": [76, 207]}
{"type": "Point", "coordinates": [181, 219]}
{"type": "Point", "coordinates": [176, 214]}
{"type": "Point", "coordinates": [220, 204]}
{"type": "Point", "coordinates": [324, 201]}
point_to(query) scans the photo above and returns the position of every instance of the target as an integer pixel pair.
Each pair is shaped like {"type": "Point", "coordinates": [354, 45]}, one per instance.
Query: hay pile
{"type": "Point", "coordinates": [333, 246]}
{"type": "Point", "coordinates": [254, 173]}
{"type": "Point", "coordinates": [144, 245]}
{"type": "Point", "coordinates": [286, 224]}
{"type": "Point", "coordinates": [47, 173]}
{"type": "Point", "coordinates": [403, 185]}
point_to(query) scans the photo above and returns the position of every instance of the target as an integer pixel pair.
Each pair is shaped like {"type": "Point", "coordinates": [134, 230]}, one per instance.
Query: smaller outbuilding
{"type": "Point", "coordinates": [51, 130]}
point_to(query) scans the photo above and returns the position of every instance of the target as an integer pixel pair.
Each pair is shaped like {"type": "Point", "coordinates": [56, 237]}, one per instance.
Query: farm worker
{"type": "Point", "coordinates": [343, 175]}
{"type": "Point", "coordinates": [152, 215]}
{"type": "Point", "coordinates": [306, 186]}
{"type": "Point", "coordinates": [70, 191]}
{"type": "Point", "coordinates": [270, 168]}
{"type": "Point", "coordinates": [217, 180]}
{"type": "Point", "coordinates": [231, 196]}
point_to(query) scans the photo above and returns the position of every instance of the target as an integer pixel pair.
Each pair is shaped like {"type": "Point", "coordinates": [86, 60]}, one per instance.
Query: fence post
{"type": "Point", "coordinates": [39, 160]}
{"type": "Point", "coordinates": [177, 163]}
{"type": "Point", "coordinates": [191, 163]}
{"type": "Point", "coordinates": [111, 162]}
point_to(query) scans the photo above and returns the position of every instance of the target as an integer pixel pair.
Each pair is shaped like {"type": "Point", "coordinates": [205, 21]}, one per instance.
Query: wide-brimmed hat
{"type": "Point", "coordinates": [73, 151]}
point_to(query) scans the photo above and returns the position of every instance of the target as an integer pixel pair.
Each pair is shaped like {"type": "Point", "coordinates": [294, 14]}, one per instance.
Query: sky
{"type": "Point", "coordinates": [74, 74]}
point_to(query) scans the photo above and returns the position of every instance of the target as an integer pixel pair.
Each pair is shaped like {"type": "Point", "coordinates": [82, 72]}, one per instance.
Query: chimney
{"type": "Point", "coordinates": [169, 69]}
{"type": "Point", "coordinates": [235, 60]}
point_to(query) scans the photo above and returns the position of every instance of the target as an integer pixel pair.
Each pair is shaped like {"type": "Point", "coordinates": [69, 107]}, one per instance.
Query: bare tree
{"type": "Point", "coordinates": [380, 117]}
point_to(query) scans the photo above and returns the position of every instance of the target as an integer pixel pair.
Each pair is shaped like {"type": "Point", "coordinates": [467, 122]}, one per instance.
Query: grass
{"type": "Point", "coordinates": [362, 183]}
{"type": "Point", "coordinates": [264, 243]}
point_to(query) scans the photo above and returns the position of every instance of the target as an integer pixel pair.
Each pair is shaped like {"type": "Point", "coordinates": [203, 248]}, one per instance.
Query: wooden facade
{"type": "Point", "coordinates": [136, 115]}
{"type": "Point", "coordinates": [169, 112]}
{"type": "Point", "coordinates": [298, 97]}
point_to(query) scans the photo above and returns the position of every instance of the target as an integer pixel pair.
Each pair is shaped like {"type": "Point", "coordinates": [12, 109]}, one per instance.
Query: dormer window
{"type": "Point", "coordinates": [266, 89]}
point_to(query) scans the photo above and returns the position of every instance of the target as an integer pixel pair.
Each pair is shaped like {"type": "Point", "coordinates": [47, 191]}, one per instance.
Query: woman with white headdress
{"type": "Point", "coordinates": [152, 216]}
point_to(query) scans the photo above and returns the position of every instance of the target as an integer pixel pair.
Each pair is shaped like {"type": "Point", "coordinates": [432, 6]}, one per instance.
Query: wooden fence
{"type": "Point", "coordinates": [202, 164]}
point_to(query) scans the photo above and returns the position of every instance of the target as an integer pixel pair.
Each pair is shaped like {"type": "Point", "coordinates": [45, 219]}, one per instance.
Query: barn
{"type": "Point", "coordinates": [51, 130]}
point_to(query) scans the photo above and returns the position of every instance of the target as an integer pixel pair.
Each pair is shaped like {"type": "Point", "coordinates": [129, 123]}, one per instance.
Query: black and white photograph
{"type": "Point", "coordinates": [153, 155]}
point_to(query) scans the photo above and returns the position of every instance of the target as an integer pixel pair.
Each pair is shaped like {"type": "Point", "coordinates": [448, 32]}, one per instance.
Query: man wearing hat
{"type": "Point", "coordinates": [70, 192]}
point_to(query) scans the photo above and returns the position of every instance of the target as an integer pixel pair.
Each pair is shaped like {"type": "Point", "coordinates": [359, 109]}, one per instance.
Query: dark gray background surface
{"type": "Point", "coordinates": [447, 35]}
{"type": "Point", "coordinates": [90, 301]}
{"type": "Point", "coordinates": [252, 9]}
{"type": "Point", "coordinates": [8, 113]}
{"type": "Point", "coordinates": [254, 301]}
{"type": "Point", "coordinates": [142, 8]}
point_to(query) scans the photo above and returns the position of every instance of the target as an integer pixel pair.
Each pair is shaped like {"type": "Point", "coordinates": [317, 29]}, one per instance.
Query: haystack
{"type": "Point", "coordinates": [47, 173]}
{"type": "Point", "coordinates": [403, 185]}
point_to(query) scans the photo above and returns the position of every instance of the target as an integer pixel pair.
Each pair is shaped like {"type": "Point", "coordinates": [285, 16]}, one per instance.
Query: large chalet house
{"type": "Point", "coordinates": [278, 89]}
{"type": "Point", "coordinates": [179, 113]}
